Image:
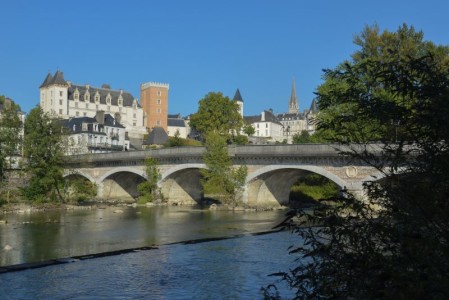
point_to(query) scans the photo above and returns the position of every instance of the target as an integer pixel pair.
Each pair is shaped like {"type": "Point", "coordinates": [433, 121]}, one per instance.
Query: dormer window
{"type": "Point", "coordinates": [87, 96]}
{"type": "Point", "coordinates": [108, 99]}
{"type": "Point", "coordinates": [97, 97]}
{"type": "Point", "coordinates": [76, 95]}
{"type": "Point", "coordinates": [120, 101]}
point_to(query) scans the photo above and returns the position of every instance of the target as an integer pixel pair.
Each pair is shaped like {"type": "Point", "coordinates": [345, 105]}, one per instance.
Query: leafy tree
{"type": "Point", "coordinates": [301, 138]}
{"type": "Point", "coordinates": [149, 190]}
{"type": "Point", "coordinates": [10, 141]}
{"type": "Point", "coordinates": [10, 128]}
{"type": "Point", "coordinates": [216, 113]}
{"type": "Point", "coordinates": [249, 130]}
{"type": "Point", "coordinates": [176, 141]}
{"type": "Point", "coordinates": [221, 178]}
{"type": "Point", "coordinates": [394, 244]}
{"type": "Point", "coordinates": [44, 149]}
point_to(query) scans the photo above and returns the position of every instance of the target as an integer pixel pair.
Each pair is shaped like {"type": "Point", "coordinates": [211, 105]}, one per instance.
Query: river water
{"type": "Point", "coordinates": [234, 268]}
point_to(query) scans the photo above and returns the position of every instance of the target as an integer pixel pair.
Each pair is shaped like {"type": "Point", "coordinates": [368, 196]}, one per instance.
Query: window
{"type": "Point", "coordinates": [158, 101]}
{"type": "Point", "coordinates": [158, 122]}
{"type": "Point", "coordinates": [60, 93]}
{"type": "Point", "coordinates": [134, 115]}
{"type": "Point", "coordinates": [159, 93]}
{"type": "Point", "coordinates": [60, 111]}
{"type": "Point", "coordinates": [108, 100]}
{"type": "Point", "coordinates": [158, 110]}
{"type": "Point", "coordinates": [266, 125]}
{"type": "Point", "coordinates": [85, 114]}
{"type": "Point", "coordinates": [76, 96]}
{"type": "Point", "coordinates": [134, 124]}
{"type": "Point", "coordinates": [77, 113]}
{"type": "Point", "coordinates": [120, 102]}
{"type": "Point", "coordinates": [97, 99]}
{"type": "Point", "coordinates": [60, 101]}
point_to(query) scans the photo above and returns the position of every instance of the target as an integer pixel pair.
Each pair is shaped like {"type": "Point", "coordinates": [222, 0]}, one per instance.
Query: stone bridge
{"type": "Point", "coordinates": [272, 170]}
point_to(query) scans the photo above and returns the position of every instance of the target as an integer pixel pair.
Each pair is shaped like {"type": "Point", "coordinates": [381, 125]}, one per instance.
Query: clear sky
{"type": "Point", "coordinates": [196, 46]}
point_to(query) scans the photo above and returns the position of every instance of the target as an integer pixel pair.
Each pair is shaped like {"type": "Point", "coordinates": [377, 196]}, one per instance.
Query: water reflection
{"type": "Point", "coordinates": [54, 234]}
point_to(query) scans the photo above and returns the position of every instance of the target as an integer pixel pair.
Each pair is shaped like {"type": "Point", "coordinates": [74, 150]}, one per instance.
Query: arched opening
{"type": "Point", "coordinates": [311, 189]}
{"type": "Point", "coordinates": [183, 187]}
{"type": "Point", "coordinates": [272, 186]}
{"type": "Point", "coordinates": [79, 188]}
{"type": "Point", "coordinates": [120, 185]}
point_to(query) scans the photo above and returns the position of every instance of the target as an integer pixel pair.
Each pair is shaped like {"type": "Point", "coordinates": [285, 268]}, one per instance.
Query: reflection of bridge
{"type": "Point", "coordinates": [272, 170]}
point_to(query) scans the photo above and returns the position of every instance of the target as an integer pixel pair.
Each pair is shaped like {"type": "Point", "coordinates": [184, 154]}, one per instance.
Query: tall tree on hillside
{"type": "Point", "coordinates": [221, 178]}
{"type": "Point", "coordinates": [217, 113]}
{"type": "Point", "coordinates": [394, 244]}
{"type": "Point", "coordinates": [44, 148]}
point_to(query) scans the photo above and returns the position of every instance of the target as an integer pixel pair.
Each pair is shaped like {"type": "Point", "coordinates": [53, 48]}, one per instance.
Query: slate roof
{"type": "Point", "coordinates": [176, 122]}
{"type": "Point", "coordinates": [115, 94]}
{"type": "Point", "coordinates": [290, 116]}
{"type": "Point", "coordinates": [58, 79]}
{"type": "Point", "coordinates": [237, 96]}
{"type": "Point", "coordinates": [75, 124]}
{"type": "Point", "coordinates": [157, 136]}
{"type": "Point", "coordinates": [314, 106]}
{"type": "Point", "coordinates": [269, 117]}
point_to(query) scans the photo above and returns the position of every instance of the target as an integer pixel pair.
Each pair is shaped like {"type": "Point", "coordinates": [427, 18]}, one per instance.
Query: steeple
{"type": "Point", "coordinates": [47, 80]}
{"type": "Point", "coordinates": [238, 98]}
{"type": "Point", "coordinates": [293, 106]}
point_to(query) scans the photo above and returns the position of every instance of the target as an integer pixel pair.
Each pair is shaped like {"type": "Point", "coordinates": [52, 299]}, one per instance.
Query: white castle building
{"type": "Point", "coordinates": [65, 100]}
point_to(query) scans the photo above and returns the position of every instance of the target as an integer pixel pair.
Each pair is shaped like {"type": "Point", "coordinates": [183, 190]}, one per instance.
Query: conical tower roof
{"type": "Point", "coordinates": [237, 96]}
{"type": "Point", "coordinates": [58, 79]}
{"type": "Point", "coordinates": [47, 80]}
{"type": "Point", "coordinates": [313, 106]}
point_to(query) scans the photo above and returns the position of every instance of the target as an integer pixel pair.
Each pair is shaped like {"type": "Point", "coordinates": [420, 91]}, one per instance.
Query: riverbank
{"type": "Point", "coordinates": [22, 207]}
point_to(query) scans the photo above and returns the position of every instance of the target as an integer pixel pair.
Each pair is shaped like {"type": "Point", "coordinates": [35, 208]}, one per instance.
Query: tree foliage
{"type": "Point", "coordinates": [394, 244]}
{"type": "Point", "coordinates": [249, 130]}
{"type": "Point", "coordinates": [221, 178]}
{"type": "Point", "coordinates": [217, 113]}
{"type": "Point", "coordinates": [10, 137]}
{"type": "Point", "coordinates": [44, 149]}
{"type": "Point", "coordinates": [149, 189]}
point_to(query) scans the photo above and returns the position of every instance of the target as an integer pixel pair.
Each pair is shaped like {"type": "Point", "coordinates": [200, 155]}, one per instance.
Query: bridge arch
{"type": "Point", "coordinates": [270, 186]}
{"type": "Point", "coordinates": [79, 173]}
{"type": "Point", "coordinates": [121, 183]}
{"type": "Point", "coordinates": [181, 184]}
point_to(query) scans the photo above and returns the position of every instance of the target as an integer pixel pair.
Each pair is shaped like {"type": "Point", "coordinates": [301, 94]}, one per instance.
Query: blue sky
{"type": "Point", "coordinates": [196, 46]}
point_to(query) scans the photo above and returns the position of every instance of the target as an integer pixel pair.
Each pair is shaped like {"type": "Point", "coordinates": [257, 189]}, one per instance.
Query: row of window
{"type": "Point", "coordinates": [97, 99]}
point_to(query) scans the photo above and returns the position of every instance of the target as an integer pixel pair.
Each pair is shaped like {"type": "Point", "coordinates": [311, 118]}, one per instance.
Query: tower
{"type": "Point", "coordinates": [293, 106]}
{"type": "Point", "coordinates": [54, 93]}
{"type": "Point", "coordinates": [238, 98]}
{"type": "Point", "coordinates": [154, 101]}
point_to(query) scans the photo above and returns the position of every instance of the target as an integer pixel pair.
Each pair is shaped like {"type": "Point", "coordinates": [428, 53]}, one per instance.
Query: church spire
{"type": "Point", "coordinates": [293, 106]}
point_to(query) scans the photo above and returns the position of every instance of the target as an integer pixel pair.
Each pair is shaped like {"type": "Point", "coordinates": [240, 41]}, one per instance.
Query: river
{"type": "Point", "coordinates": [234, 268]}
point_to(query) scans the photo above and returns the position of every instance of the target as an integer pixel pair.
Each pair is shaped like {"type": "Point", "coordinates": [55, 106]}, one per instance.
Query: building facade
{"type": "Point", "coordinates": [154, 99]}
{"type": "Point", "coordinates": [99, 134]}
{"type": "Point", "coordinates": [63, 99]}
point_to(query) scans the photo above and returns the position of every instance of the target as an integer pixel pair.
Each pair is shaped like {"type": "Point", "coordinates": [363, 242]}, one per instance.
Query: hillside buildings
{"type": "Point", "coordinates": [271, 128]}
{"type": "Point", "coordinates": [66, 100]}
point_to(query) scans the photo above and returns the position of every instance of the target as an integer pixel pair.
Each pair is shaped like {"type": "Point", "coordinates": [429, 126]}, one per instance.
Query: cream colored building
{"type": "Point", "coordinates": [65, 100]}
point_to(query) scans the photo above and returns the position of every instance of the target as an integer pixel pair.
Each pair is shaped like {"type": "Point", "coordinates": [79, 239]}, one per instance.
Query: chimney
{"type": "Point", "coordinates": [262, 118]}
{"type": "Point", "coordinates": [100, 116]}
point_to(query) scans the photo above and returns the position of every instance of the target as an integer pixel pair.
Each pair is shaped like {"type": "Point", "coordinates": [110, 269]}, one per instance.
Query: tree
{"type": "Point", "coordinates": [10, 128]}
{"type": "Point", "coordinates": [175, 141]}
{"type": "Point", "coordinates": [217, 113]}
{"type": "Point", "coordinates": [393, 244]}
{"type": "Point", "coordinates": [10, 140]}
{"type": "Point", "coordinates": [44, 149]}
{"type": "Point", "coordinates": [221, 178]}
{"type": "Point", "coordinates": [149, 190]}
{"type": "Point", "coordinates": [301, 138]}
{"type": "Point", "coordinates": [249, 130]}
